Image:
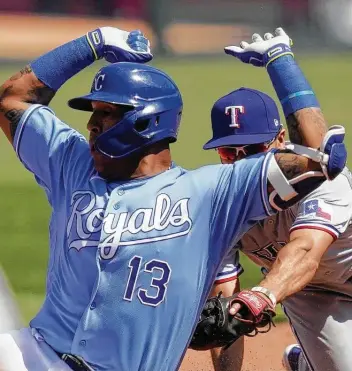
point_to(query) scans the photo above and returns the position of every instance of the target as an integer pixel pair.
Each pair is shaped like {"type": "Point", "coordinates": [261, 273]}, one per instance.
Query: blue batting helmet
{"type": "Point", "coordinates": [245, 116]}
{"type": "Point", "coordinates": [154, 99]}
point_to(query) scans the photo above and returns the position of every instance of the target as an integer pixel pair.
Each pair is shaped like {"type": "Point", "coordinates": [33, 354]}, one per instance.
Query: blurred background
{"type": "Point", "coordinates": [187, 38]}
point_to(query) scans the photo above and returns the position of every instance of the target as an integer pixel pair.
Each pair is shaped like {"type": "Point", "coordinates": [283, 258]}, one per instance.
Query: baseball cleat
{"type": "Point", "coordinates": [291, 357]}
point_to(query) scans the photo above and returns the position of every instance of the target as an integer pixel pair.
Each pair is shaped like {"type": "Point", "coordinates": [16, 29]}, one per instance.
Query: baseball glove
{"type": "Point", "coordinates": [217, 328]}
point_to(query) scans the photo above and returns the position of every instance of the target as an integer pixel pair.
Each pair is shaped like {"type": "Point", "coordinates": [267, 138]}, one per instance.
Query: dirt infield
{"type": "Point", "coordinates": [262, 353]}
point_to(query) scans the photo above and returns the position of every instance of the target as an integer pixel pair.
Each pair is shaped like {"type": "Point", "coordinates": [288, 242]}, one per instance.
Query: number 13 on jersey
{"type": "Point", "coordinates": [160, 273]}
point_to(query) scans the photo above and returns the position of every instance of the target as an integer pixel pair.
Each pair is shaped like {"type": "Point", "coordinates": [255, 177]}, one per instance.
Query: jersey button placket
{"type": "Point", "coordinates": [82, 343]}
{"type": "Point", "coordinates": [120, 192]}
{"type": "Point", "coordinates": [93, 305]}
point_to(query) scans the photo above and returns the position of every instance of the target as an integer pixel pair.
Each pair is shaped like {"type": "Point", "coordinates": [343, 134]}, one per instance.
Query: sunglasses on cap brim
{"type": "Point", "coordinates": [232, 153]}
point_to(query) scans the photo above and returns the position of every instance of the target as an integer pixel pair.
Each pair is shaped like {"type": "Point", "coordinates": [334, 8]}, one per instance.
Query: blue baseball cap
{"type": "Point", "coordinates": [245, 116]}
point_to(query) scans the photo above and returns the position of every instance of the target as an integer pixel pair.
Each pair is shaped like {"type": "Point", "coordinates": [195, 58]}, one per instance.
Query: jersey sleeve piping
{"type": "Point", "coordinates": [317, 226]}
{"type": "Point", "coordinates": [229, 275]}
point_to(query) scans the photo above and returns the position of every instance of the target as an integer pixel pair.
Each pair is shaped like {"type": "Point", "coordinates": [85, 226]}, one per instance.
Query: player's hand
{"type": "Point", "coordinates": [252, 307]}
{"type": "Point", "coordinates": [262, 51]}
{"type": "Point", "coordinates": [255, 297]}
{"type": "Point", "coordinates": [115, 45]}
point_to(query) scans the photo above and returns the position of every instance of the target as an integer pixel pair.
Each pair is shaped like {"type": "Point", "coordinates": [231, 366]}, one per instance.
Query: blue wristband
{"type": "Point", "coordinates": [96, 42]}
{"type": "Point", "coordinates": [60, 64]}
{"type": "Point", "coordinates": [275, 52]}
{"type": "Point", "coordinates": [292, 88]}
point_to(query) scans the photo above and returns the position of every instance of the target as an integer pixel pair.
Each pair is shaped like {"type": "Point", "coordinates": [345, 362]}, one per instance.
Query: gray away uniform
{"type": "Point", "coordinates": [320, 314]}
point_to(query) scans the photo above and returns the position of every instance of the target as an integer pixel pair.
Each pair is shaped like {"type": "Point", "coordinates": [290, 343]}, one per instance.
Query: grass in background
{"type": "Point", "coordinates": [25, 212]}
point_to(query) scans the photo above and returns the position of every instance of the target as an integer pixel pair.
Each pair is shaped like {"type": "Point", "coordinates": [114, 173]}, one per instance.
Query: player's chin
{"type": "Point", "coordinates": [104, 173]}
{"type": "Point", "coordinates": [106, 168]}
{"type": "Point", "coordinates": [112, 169]}
{"type": "Point", "coordinates": [100, 162]}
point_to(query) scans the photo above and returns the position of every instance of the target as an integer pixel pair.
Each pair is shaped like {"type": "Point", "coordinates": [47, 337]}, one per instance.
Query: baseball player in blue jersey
{"type": "Point", "coordinates": [135, 240]}
{"type": "Point", "coordinates": [306, 249]}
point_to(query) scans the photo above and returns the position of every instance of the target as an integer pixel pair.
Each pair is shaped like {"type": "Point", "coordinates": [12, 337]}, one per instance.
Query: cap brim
{"type": "Point", "coordinates": [237, 140]}
{"type": "Point", "coordinates": [84, 103]}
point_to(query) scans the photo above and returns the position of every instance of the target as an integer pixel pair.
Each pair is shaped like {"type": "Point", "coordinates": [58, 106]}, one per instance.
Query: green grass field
{"type": "Point", "coordinates": [24, 211]}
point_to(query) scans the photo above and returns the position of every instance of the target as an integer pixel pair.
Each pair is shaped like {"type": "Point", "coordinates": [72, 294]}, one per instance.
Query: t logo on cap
{"type": "Point", "coordinates": [234, 111]}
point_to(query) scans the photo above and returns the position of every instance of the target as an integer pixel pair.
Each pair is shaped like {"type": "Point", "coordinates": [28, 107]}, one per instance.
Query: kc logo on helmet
{"type": "Point", "coordinates": [234, 111]}
{"type": "Point", "coordinates": [98, 82]}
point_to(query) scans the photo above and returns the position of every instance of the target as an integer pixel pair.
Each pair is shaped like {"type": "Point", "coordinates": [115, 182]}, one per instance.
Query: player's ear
{"type": "Point", "coordinates": [281, 139]}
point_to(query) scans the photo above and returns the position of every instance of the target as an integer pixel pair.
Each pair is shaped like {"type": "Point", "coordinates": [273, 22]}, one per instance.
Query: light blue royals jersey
{"type": "Point", "coordinates": [132, 263]}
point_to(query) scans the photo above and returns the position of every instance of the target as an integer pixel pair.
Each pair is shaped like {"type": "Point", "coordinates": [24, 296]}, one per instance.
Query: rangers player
{"type": "Point", "coordinates": [135, 240]}
{"type": "Point", "coordinates": [306, 249]}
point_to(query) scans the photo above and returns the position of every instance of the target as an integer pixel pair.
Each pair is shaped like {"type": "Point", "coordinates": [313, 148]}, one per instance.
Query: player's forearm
{"type": "Point", "coordinates": [296, 171]}
{"type": "Point", "coordinates": [293, 165]}
{"type": "Point", "coordinates": [307, 127]}
{"type": "Point", "coordinates": [305, 121]}
{"type": "Point", "coordinates": [57, 66]}
{"type": "Point", "coordinates": [293, 269]}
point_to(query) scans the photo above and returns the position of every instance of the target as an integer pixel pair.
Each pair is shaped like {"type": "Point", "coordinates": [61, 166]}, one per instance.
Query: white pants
{"type": "Point", "coordinates": [322, 323]}
{"type": "Point", "coordinates": [26, 350]}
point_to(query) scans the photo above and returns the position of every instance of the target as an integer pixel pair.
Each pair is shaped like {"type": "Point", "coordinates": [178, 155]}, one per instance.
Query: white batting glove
{"type": "Point", "coordinates": [115, 45]}
{"type": "Point", "coordinates": [262, 51]}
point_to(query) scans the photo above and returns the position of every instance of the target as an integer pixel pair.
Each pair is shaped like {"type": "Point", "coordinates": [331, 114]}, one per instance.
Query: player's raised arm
{"type": "Point", "coordinates": [305, 121]}
{"type": "Point", "coordinates": [298, 171]}
{"type": "Point", "coordinates": [38, 82]}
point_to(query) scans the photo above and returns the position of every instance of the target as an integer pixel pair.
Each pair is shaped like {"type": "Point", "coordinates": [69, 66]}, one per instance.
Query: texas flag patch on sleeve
{"type": "Point", "coordinates": [317, 209]}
